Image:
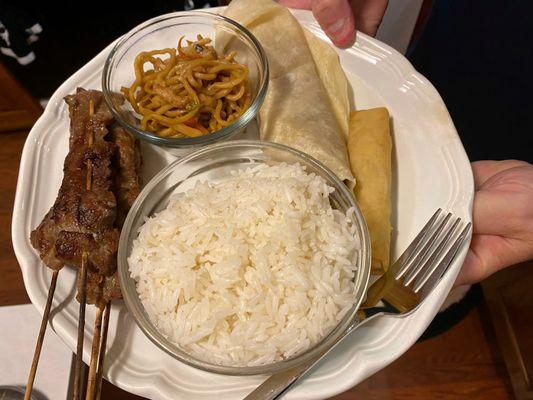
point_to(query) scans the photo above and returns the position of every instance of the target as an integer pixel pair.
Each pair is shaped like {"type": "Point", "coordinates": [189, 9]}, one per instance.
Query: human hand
{"type": "Point", "coordinates": [503, 219]}
{"type": "Point", "coordinates": [341, 18]}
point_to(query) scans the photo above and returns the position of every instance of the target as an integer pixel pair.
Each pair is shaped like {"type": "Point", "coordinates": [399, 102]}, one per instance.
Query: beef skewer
{"type": "Point", "coordinates": [83, 274]}
{"type": "Point", "coordinates": [126, 188]}
{"type": "Point", "coordinates": [40, 240]}
{"type": "Point", "coordinates": [99, 185]}
{"type": "Point", "coordinates": [85, 208]}
{"type": "Point", "coordinates": [81, 219]}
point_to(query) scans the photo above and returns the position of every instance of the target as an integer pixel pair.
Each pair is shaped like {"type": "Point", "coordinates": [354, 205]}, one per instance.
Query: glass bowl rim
{"type": "Point", "coordinates": [211, 137]}
{"type": "Point", "coordinates": [136, 309]}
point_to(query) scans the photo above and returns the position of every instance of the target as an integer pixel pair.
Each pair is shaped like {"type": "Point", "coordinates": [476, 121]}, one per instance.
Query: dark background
{"type": "Point", "coordinates": [479, 56]}
{"type": "Point", "coordinates": [73, 33]}
{"type": "Point", "coordinates": [477, 53]}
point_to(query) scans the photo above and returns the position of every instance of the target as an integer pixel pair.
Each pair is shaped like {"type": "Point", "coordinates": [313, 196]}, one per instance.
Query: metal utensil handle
{"type": "Point", "coordinates": [277, 384]}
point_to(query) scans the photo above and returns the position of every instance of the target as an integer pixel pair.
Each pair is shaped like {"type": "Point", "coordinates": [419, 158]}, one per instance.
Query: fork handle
{"type": "Point", "coordinates": [278, 384]}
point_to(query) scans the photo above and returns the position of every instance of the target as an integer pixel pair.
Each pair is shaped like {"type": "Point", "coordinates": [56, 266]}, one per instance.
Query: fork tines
{"type": "Point", "coordinates": [431, 253]}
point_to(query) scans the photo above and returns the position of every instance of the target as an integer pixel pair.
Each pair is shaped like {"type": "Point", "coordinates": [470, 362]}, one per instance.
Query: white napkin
{"type": "Point", "coordinates": [19, 327]}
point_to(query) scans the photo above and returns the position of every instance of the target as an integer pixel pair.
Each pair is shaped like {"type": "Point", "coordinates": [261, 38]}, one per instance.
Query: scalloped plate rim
{"type": "Point", "coordinates": [313, 387]}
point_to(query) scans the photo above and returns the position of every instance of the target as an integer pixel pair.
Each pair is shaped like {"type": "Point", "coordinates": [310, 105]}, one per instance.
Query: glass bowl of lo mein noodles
{"type": "Point", "coordinates": [186, 80]}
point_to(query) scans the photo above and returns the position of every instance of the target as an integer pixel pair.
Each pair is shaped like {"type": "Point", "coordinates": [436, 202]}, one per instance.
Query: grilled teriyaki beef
{"type": "Point", "coordinates": [127, 163]}
{"type": "Point", "coordinates": [79, 216]}
{"type": "Point", "coordinates": [84, 217]}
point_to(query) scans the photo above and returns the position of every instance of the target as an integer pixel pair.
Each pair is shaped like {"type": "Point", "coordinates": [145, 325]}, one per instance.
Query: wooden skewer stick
{"type": "Point", "coordinates": [83, 284]}
{"type": "Point", "coordinates": [97, 334]}
{"type": "Point", "coordinates": [40, 338]}
{"type": "Point", "coordinates": [81, 327]}
{"type": "Point", "coordinates": [101, 351]}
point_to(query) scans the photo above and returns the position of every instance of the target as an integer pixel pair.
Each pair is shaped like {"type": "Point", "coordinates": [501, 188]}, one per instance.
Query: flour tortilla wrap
{"type": "Point", "coordinates": [370, 147]}
{"type": "Point", "coordinates": [298, 110]}
{"type": "Point", "coordinates": [333, 78]}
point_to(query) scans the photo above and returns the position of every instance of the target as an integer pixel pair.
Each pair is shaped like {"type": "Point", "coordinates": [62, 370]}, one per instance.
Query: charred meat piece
{"type": "Point", "coordinates": [79, 110]}
{"type": "Point", "coordinates": [101, 249]}
{"type": "Point", "coordinates": [100, 288]}
{"type": "Point", "coordinates": [43, 239]}
{"type": "Point", "coordinates": [127, 163]}
{"type": "Point", "coordinates": [85, 206]}
{"type": "Point", "coordinates": [78, 209]}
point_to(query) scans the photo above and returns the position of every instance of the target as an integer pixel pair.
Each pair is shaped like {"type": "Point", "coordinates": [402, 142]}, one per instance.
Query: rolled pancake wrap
{"type": "Point", "coordinates": [369, 148]}
{"type": "Point", "coordinates": [298, 110]}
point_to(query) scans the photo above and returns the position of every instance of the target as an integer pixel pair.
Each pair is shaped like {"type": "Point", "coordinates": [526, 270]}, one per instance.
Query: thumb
{"type": "Point", "coordinates": [490, 253]}
{"type": "Point", "coordinates": [335, 17]}
{"type": "Point", "coordinates": [485, 254]}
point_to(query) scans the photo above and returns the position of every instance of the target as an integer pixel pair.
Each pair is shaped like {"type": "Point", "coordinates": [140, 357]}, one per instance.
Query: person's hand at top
{"type": "Point", "coordinates": [341, 18]}
{"type": "Point", "coordinates": [502, 216]}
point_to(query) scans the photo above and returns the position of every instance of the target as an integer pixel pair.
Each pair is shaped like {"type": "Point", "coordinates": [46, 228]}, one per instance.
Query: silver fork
{"type": "Point", "coordinates": [403, 288]}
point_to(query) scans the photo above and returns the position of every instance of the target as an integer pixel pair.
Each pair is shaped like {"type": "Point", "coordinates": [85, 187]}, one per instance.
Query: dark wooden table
{"type": "Point", "coordinates": [463, 363]}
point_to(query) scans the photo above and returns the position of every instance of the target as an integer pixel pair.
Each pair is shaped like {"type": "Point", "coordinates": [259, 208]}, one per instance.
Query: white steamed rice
{"type": "Point", "coordinates": [248, 271]}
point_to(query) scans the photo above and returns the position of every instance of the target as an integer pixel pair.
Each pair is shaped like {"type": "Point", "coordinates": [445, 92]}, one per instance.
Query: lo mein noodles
{"type": "Point", "coordinates": [190, 92]}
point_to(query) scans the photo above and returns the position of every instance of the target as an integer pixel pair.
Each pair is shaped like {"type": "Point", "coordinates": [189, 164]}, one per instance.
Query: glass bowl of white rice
{"type": "Point", "coordinates": [244, 258]}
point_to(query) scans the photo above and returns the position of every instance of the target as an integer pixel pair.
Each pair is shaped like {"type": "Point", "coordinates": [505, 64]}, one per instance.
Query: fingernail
{"type": "Point", "coordinates": [336, 27]}
{"type": "Point", "coordinates": [330, 16]}
{"type": "Point", "coordinates": [335, 18]}
{"type": "Point", "coordinates": [340, 33]}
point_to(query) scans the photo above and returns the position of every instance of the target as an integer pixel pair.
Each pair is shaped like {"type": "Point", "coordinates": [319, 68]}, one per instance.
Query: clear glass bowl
{"type": "Point", "coordinates": [213, 163]}
{"type": "Point", "coordinates": [164, 31]}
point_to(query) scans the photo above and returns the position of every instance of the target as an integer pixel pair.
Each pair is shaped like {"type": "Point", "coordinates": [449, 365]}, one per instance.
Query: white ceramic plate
{"type": "Point", "coordinates": [431, 170]}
